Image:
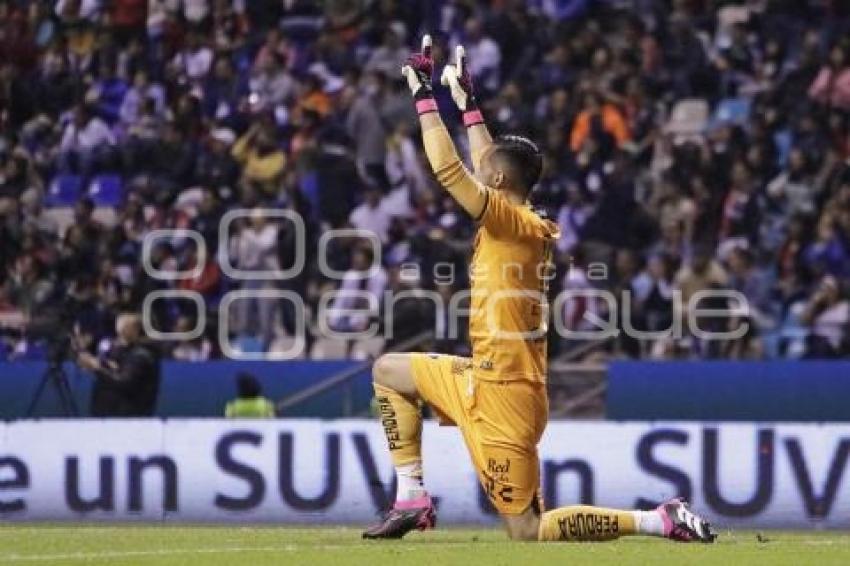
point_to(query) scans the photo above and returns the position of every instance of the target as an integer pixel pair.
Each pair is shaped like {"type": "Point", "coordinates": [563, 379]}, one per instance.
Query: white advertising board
{"type": "Point", "coordinates": [306, 471]}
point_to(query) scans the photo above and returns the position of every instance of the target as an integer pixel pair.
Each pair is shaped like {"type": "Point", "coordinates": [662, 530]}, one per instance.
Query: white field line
{"type": "Point", "coordinates": [105, 555]}
{"type": "Point", "coordinates": [71, 556]}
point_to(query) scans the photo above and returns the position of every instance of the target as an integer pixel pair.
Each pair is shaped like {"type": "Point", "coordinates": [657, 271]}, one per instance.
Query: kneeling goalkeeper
{"type": "Point", "coordinates": [497, 398]}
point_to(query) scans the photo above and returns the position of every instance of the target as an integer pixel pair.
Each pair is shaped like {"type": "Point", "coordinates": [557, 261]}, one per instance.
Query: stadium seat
{"type": "Point", "coordinates": [688, 118]}
{"type": "Point", "coordinates": [367, 348]}
{"type": "Point", "coordinates": [64, 190]}
{"type": "Point", "coordinates": [106, 190]}
{"type": "Point", "coordinates": [329, 349]}
{"type": "Point", "coordinates": [247, 345]}
{"type": "Point", "coordinates": [731, 111]}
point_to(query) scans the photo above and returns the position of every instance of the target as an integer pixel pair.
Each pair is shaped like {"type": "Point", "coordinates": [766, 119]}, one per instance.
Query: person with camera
{"type": "Point", "coordinates": [127, 377]}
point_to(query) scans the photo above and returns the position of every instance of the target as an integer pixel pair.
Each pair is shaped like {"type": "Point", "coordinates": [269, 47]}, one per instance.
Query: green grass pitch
{"type": "Point", "coordinates": [204, 545]}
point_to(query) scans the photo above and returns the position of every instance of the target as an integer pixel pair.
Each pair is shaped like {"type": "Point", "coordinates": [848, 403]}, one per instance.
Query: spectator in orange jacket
{"type": "Point", "coordinates": [600, 114]}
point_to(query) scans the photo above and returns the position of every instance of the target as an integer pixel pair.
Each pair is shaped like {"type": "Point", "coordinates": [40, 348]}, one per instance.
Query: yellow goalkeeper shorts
{"type": "Point", "coordinates": [501, 423]}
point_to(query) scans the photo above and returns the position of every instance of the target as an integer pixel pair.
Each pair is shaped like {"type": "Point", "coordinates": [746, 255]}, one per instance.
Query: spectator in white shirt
{"type": "Point", "coordinates": [372, 216]}
{"type": "Point", "coordinates": [484, 56]}
{"type": "Point", "coordinates": [392, 53]}
{"type": "Point", "coordinates": [159, 12]}
{"type": "Point", "coordinates": [359, 291]}
{"type": "Point", "coordinates": [405, 172]}
{"type": "Point", "coordinates": [194, 61]}
{"type": "Point", "coordinates": [196, 11]}
{"type": "Point", "coordinates": [272, 83]}
{"type": "Point", "coordinates": [197, 350]}
{"type": "Point", "coordinates": [86, 142]}
{"type": "Point", "coordinates": [143, 89]}
{"type": "Point", "coordinates": [580, 308]}
{"type": "Point", "coordinates": [71, 10]}
{"type": "Point", "coordinates": [255, 249]}
{"type": "Point", "coordinates": [571, 219]}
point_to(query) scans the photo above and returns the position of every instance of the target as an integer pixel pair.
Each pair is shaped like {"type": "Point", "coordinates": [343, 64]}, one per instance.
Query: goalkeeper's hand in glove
{"type": "Point", "coordinates": [459, 81]}
{"type": "Point", "coordinates": [418, 70]}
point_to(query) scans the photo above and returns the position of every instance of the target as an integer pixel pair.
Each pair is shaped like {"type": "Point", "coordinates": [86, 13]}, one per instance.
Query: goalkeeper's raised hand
{"type": "Point", "coordinates": [418, 70]}
{"type": "Point", "coordinates": [459, 81]}
{"type": "Point", "coordinates": [439, 147]}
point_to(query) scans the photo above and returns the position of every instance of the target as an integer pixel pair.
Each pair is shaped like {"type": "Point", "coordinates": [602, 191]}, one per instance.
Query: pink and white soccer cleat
{"type": "Point", "coordinates": [404, 517]}
{"type": "Point", "coordinates": [683, 525]}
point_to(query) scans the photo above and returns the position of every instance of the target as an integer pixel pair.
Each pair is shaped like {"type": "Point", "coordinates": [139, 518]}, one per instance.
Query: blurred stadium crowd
{"type": "Point", "coordinates": [689, 145]}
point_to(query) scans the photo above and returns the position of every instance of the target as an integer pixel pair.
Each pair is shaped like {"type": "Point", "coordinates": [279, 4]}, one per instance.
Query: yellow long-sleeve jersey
{"type": "Point", "coordinates": [510, 269]}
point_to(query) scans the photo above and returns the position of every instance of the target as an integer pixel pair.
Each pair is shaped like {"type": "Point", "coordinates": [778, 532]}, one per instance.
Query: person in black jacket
{"type": "Point", "coordinates": [127, 378]}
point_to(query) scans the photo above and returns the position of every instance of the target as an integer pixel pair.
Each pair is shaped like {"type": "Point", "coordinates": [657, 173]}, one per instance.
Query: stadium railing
{"type": "Point", "coordinates": [344, 378]}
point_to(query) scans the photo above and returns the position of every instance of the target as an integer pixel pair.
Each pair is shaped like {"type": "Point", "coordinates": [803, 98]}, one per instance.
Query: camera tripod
{"type": "Point", "coordinates": [56, 376]}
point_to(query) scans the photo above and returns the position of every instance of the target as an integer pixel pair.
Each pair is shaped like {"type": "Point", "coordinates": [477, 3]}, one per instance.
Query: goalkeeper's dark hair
{"type": "Point", "coordinates": [523, 159]}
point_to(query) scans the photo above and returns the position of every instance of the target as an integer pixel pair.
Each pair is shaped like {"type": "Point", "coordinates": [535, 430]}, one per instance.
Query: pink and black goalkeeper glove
{"type": "Point", "coordinates": [418, 71]}
{"type": "Point", "coordinates": [459, 81]}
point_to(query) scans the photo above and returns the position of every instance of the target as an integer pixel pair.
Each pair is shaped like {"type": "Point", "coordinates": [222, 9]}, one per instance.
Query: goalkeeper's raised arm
{"type": "Point", "coordinates": [442, 155]}
{"type": "Point", "coordinates": [459, 81]}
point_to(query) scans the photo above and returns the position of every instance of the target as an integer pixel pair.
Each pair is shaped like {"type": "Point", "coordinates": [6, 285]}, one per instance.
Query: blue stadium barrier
{"type": "Point", "coordinates": [802, 391]}
{"type": "Point", "coordinates": [704, 391]}
{"type": "Point", "coordinates": [195, 389]}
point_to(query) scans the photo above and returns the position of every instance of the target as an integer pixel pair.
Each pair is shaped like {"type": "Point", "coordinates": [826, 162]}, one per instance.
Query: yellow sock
{"type": "Point", "coordinates": [586, 523]}
{"type": "Point", "coordinates": [402, 424]}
